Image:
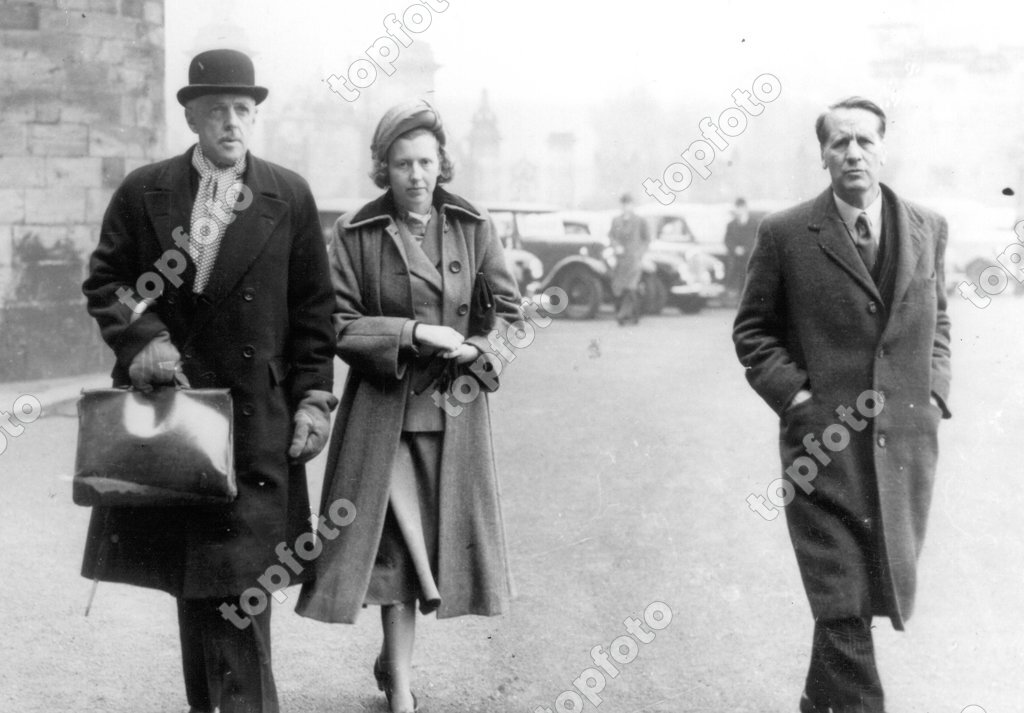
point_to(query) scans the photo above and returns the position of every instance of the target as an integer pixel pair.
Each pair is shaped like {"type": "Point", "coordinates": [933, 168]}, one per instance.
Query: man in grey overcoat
{"type": "Point", "coordinates": [843, 332]}
{"type": "Point", "coordinates": [227, 252]}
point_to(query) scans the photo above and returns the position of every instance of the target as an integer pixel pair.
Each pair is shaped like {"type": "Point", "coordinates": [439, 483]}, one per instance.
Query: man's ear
{"type": "Point", "coordinates": [190, 118]}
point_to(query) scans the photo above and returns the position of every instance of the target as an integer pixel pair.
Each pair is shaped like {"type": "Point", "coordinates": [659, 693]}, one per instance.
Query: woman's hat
{"type": "Point", "coordinates": [401, 119]}
{"type": "Point", "coordinates": [221, 72]}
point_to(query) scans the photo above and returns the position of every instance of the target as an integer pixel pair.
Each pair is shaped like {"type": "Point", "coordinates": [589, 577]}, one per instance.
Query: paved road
{"type": "Point", "coordinates": [627, 455]}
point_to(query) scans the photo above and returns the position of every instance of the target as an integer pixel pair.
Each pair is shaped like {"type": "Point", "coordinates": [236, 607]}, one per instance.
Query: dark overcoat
{"type": "Point", "coordinates": [262, 329]}
{"type": "Point", "coordinates": [374, 302]}
{"type": "Point", "coordinates": [811, 317]}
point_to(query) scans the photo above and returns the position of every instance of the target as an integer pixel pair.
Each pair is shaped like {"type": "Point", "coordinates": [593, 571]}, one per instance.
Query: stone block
{"type": "Point", "coordinates": [84, 236]}
{"type": "Point", "coordinates": [22, 172]}
{"type": "Point", "coordinates": [154, 12]}
{"type": "Point", "coordinates": [133, 8]}
{"type": "Point", "coordinates": [113, 171]}
{"type": "Point", "coordinates": [12, 205]}
{"type": "Point", "coordinates": [13, 139]}
{"type": "Point", "coordinates": [121, 141]}
{"type": "Point", "coordinates": [19, 16]}
{"type": "Point", "coordinates": [96, 202]}
{"type": "Point", "coordinates": [84, 172]}
{"type": "Point", "coordinates": [98, 22]}
{"type": "Point", "coordinates": [58, 205]}
{"type": "Point", "coordinates": [61, 139]}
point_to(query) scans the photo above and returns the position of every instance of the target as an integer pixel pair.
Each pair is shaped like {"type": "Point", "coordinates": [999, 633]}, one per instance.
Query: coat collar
{"type": "Point", "coordinates": [169, 204]}
{"type": "Point", "coordinates": [836, 243]}
{"type": "Point", "coordinates": [383, 208]}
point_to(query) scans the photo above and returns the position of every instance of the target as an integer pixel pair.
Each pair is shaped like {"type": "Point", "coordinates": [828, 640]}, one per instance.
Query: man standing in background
{"type": "Point", "coordinates": [629, 238]}
{"type": "Point", "coordinates": [740, 234]}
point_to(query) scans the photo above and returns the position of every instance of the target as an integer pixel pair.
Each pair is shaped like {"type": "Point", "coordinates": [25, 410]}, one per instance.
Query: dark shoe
{"type": "Point", "coordinates": [808, 706]}
{"type": "Point", "coordinates": [383, 679]}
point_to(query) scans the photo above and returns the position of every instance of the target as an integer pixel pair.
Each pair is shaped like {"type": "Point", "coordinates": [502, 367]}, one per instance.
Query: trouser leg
{"type": "Point", "coordinates": [843, 675]}
{"type": "Point", "coordinates": [193, 657]}
{"type": "Point", "coordinates": [236, 661]}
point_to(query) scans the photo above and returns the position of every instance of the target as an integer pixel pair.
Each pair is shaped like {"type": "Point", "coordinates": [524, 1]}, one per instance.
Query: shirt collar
{"type": "Point", "coordinates": [849, 214]}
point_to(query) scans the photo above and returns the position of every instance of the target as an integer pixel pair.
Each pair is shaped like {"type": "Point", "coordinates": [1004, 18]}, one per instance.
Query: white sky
{"type": "Point", "coordinates": [533, 49]}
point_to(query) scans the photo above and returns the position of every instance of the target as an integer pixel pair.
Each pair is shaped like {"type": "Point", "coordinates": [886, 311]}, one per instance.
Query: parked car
{"type": "Point", "coordinates": [683, 277]}
{"type": "Point", "coordinates": [570, 260]}
{"type": "Point", "coordinates": [978, 234]}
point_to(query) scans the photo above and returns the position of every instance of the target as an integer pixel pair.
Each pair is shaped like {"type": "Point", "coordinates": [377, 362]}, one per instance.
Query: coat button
{"type": "Point", "coordinates": [455, 266]}
{"type": "Point", "coordinates": [463, 310]}
{"type": "Point", "coordinates": [248, 294]}
{"type": "Point", "coordinates": [881, 441]}
{"type": "Point", "coordinates": [872, 307]}
{"type": "Point", "coordinates": [248, 410]}
{"type": "Point", "coordinates": [248, 351]}
{"type": "Point", "coordinates": [881, 352]}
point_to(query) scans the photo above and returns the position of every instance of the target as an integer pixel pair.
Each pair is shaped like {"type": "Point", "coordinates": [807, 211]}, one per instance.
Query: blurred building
{"type": "Point", "coordinates": [81, 105]}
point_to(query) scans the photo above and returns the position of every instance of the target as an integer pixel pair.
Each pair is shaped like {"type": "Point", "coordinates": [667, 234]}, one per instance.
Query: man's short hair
{"type": "Point", "coordinates": [854, 102]}
{"type": "Point", "coordinates": [625, 198]}
{"type": "Point", "coordinates": [740, 202]}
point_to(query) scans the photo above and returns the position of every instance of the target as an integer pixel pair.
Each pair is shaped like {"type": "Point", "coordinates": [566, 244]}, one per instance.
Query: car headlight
{"type": "Point", "coordinates": [536, 268]}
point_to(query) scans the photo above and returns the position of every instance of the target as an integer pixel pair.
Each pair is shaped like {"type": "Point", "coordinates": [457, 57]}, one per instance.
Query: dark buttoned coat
{"type": "Point", "coordinates": [811, 317]}
{"type": "Point", "coordinates": [262, 329]}
{"type": "Point", "coordinates": [374, 305]}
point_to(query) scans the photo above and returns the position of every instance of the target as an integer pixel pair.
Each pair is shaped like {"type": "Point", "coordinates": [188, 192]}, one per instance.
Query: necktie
{"type": "Point", "coordinates": [865, 243]}
{"type": "Point", "coordinates": [212, 211]}
{"type": "Point", "coordinates": [417, 226]}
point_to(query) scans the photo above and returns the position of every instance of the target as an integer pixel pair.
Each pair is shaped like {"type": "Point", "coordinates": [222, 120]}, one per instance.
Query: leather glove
{"type": "Point", "coordinates": [156, 364]}
{"type": "Point", "coordinates": [312, 425]}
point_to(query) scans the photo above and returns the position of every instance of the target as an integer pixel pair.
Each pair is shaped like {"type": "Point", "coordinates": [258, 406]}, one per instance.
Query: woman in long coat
{"type": "Point", "coordinates": [411, 447]}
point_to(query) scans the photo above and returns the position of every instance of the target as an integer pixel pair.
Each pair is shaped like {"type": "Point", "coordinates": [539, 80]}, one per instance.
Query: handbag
{"type": "Point", "coordinates": [171, 446]}
{"type": "Point", "coordinates": [481, 309]}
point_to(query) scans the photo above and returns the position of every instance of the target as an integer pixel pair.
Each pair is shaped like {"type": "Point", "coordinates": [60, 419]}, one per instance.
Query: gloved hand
{"type": "Point", "coordinates": [156, 364]}
{"type": "Point", "coordinates": [312, 425]}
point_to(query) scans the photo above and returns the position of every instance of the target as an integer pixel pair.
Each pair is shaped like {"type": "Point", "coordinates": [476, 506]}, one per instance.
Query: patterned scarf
{"type": "Point", "coordinates": [211, 212]}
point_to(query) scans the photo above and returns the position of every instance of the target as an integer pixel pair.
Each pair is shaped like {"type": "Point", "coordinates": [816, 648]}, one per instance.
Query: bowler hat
{"type": "Point", "coordinates": [221, 72]}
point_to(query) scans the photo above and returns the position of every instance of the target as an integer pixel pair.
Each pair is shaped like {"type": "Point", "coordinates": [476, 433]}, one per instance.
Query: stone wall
{"type": "Point", "coordinates": [81, 105]}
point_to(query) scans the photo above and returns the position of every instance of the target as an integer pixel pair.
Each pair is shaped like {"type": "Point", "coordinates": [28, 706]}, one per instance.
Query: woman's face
{"type": "Point", "coordinates": [413, 167]}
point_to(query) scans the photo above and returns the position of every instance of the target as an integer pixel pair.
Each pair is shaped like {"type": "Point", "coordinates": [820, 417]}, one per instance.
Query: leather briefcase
{"type": "Point", "coordinates": [168, 447]}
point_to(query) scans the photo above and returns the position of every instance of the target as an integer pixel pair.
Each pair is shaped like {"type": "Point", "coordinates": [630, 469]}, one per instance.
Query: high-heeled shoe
{"type": "Point", "coordinates": [383, 678]}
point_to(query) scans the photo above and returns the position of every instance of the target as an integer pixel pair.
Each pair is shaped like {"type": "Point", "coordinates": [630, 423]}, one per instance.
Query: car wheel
{"type": "Point", "coordinates": [653, 294]}
{"type": "Point", "coordinates": [584, 290]}
{"type": "Point", "coordinates": [691, 304]}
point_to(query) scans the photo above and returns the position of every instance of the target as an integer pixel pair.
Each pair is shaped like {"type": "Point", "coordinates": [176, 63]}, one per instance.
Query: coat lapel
{"type": "Point", "coordinates": [909, 241]}
{"type": "Point", "coordinates": [246, 236]}
{"type": "Point", "coordinates": [836, 243]}
{"type": "Point", "coordinates": [169, 202]}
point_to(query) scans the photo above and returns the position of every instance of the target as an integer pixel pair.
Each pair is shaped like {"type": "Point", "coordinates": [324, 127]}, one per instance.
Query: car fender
{"type": "Point", "coordinates": [595, 266]}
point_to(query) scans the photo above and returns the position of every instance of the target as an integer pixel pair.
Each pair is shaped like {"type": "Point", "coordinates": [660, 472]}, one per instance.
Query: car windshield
{"type": "Point", "coordinates": [674, 230]}
{"type": "Point", "coordinates": [540, 224]}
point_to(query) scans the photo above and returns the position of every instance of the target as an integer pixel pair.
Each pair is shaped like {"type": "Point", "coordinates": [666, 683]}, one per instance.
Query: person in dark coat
{"type": "Point", "coordinates": [630, 239]}
{"type": "Point", "coordinates": [213, 265]}
{"type": "Point", "coordinates": [843, 332]}
{"type": "Point", "coordinates": [740, 234]}
{"type": "Point", "coordinates": [411, 446]}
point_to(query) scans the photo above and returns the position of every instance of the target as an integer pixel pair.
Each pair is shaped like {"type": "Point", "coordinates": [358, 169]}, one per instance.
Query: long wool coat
{"type": "Point", "coordinates": [811, 317]}
{"type": "Point", "coordinates": [263, 329]}
{"type": "Point", "coordinates": [374, 302]}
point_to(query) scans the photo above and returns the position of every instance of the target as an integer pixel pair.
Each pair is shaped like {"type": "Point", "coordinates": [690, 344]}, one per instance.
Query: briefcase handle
{"type": "Point", "coordinates": [180, 380]}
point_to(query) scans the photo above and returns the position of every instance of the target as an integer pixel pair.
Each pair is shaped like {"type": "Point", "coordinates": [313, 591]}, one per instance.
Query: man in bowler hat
{"type": "Point", "coordinates": [842, 329]}
{"type": "Point", "coordinates": [212, 265]}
